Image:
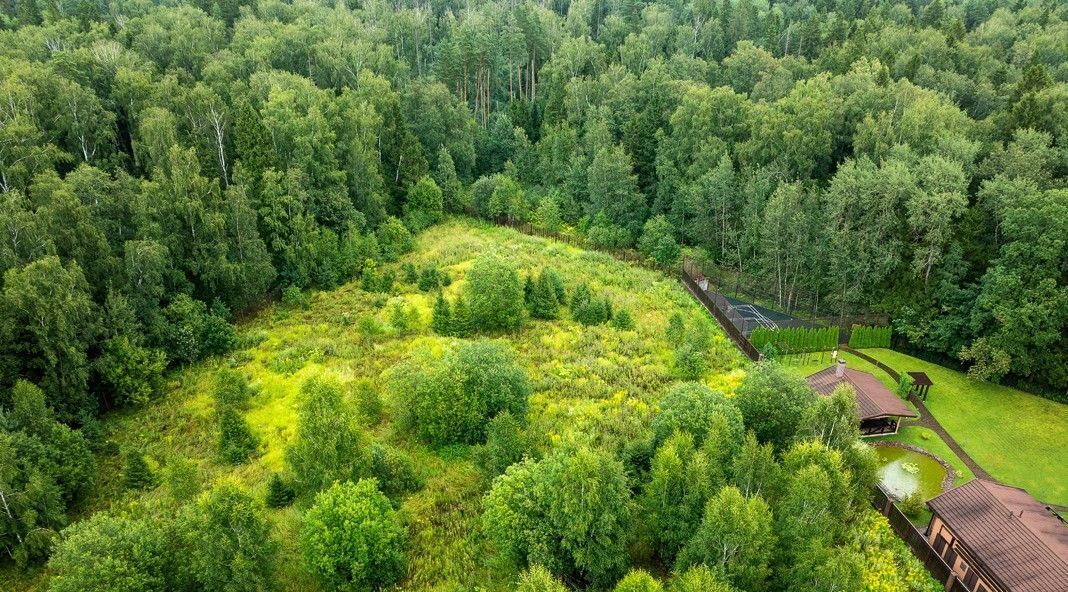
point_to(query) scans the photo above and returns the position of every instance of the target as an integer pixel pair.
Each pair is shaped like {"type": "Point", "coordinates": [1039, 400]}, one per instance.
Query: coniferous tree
{"type": "Point", "coordinates": [279, 493]}
{"type": "Point", "coordinates": [462, 326]}
{"type": "Point", "coordinates": [236, 440]}
{"type": "Point", "coordinates": [442, 320]}
{"type": "Point", "coordinates": [542, 302]}
{"type": "Point", "coordinates": [135, 472]}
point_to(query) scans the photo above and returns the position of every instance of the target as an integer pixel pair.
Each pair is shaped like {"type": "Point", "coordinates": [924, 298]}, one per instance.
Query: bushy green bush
{"type": "Point", "coordinates": [441, 316]}
{"type": "Point", "coordinates": [424, 204]}
{"type": "Point", "coordinates": [226, 541]}
{"type": "Point", "coordinates": [694, 408]}
{"type": "Point", "coordinates": [773, 403]}
{"type": "Point", "coordinates": [495, 295]}
{"type": "Point", "coordinates": [638, 580]}
{"type": "Point", "coordinates": [104, 553]}
{"type": "Point", "coordinates": [394, 239]}
{"type": "Point", "coordinates": [330, 446]}
{"type": "Point", "coordinates": [658, 240]}
{"type": "Point", "coordinates": [449, 400]}
{"type": "Point", "coordinates": [293, 297]}
{"type": "Point", "coordinates": [352, 538]}
{"type": "Point", "coordinates": [538, 579]}
{"type": "Point", "coordinates": [569, 512]}
{"type": "Point", "coordinates": [394, 471]}
{"type": "Point", "coordinates": [506, 444]}
{"type": "Point", "coordinates": [132, 374]}
{"type": "Point", "coordinates": [912, 505]}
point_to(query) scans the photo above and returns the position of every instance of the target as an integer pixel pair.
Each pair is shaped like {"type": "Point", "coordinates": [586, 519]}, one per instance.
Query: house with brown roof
{"type": "Point", "coordinates": [879, 408]}
{"type": "Point", "coordinates": [999, 539]}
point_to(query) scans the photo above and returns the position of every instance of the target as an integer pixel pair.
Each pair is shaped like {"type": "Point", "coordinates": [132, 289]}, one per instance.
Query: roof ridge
{"type": "Point", "coordinates": [1016, 519]}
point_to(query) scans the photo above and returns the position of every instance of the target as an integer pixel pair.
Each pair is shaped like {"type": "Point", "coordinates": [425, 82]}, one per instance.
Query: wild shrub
{"type": "Point", "coordinates": [448, 400]}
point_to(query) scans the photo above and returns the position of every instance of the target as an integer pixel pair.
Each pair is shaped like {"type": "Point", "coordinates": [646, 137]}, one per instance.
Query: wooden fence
{"type": "Point", "coordinates": [720, 308]}
{"type": "Point", "coordinates": [916, 542]}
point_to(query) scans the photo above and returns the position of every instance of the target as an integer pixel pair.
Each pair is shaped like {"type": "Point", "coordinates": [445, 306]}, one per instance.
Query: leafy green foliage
{"type": "Point", "coordinates": [494, 295]}
{"type": "Point", "coordinates": [352, 538]}
{"type": "Point", "coordinates": [44, 468]}
{"type": "Point", "coordinates": [538, 579]}
{"type": "Point", "coordinates": [638, 580]}
{"type": "Point", "coordinates": [135, 471]}
{"type": "Point", "coordinates": [506, 444]}
{"type": "Point", "coordinates": [424, 205]}
{"type": "Point", "coordinates": [394, 471]}
{"type": "Point", "coordinates": [658, 241]}
{"type": "Point", "coordinates": [449, 400]}
{"type": "Point", "coordinates": [743, 527]}
{"type": "Point", "coordinates": [543, 301]}
{"type": "Point", "coordinates": [773, 403]}
{"type": "Point", "coordinates": [236, 440]}
{"type": "Point", "coordinates": [569, 512]}
{"type": "Point", "coordinates": [330, 446]}
{"type": "Point", "coordinates": [697, 410]}
{"type": "Point", "coordinates": [227, 541]}
{"type": "Point", "coordinates": [681, 479]}
{"type": "Point", "coordinates": [111, 553]}
{"type": "Point", "coordinates": [134, 374]}
{"type": "Point", "coordinates": [795, 339]}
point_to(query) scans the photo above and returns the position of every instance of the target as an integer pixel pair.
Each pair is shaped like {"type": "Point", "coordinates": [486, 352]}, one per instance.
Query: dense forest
{"type": "Point", "coordinates": [167, 166]}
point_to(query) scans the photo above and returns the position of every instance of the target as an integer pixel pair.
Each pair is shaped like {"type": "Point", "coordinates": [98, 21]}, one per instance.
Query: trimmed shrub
{"type": "Point", "coordinates": [863, 336]}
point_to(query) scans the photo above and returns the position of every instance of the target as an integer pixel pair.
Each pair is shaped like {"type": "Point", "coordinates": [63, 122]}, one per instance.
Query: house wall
{"type": "Point", "coordinates": [958, 557]}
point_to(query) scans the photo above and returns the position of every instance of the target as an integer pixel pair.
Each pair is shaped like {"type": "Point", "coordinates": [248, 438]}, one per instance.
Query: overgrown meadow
{"type": "Point", "coordinates": [589, 382]}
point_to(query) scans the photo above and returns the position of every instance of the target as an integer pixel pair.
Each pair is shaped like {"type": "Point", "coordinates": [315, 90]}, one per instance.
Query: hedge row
{"type": "Point", "coordinates": [864, 336]}
{"type": "Point", "coordinates": [796, 339]}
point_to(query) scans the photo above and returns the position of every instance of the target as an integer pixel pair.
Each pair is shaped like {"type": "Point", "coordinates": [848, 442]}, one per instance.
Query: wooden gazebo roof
{"type": "Point", "coordinates": [873, 399]}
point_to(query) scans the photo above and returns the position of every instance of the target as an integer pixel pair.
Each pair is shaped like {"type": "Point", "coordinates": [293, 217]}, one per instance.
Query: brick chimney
{"type": "Point", "coordinates": [839, 369]}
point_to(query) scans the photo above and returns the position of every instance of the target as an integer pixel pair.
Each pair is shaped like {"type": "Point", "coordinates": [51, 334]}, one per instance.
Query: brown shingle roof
{"type": "Point", "coordinates": [1014, 536]}
{"type": "Point", "coordinates": [873, 399]}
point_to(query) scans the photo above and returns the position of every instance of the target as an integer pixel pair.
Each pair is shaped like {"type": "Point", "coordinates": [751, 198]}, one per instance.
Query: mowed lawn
{"type": "Point", "coordinates": [1019, 438]}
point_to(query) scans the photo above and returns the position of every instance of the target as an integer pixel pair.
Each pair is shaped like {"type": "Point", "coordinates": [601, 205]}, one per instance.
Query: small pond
{"type": "Point", "coordinates": [905, 471]}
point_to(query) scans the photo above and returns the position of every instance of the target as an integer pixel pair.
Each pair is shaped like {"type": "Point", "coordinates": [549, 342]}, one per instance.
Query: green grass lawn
{"type": "Point", "coordinates": [1019, 438]}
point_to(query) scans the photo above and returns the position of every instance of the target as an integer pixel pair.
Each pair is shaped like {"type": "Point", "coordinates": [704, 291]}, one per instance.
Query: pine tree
{"type": "Point", "coordinates": [135, 474]}
{"type": "Point", "coordinates": [441, 322]}
{"type": "Point", "coordinates": [461, 318]}
{"type": "Point", "coordinates": [622, 320]}
{"type": "Point", "coordinates": [542, 302]}
{"type": "Point", "coordinates": [279, 493]}
{"type": "Point", "coordinates": [236, 440]}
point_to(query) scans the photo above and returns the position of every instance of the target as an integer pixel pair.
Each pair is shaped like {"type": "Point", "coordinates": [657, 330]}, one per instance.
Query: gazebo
{"type": "Point", "coordinates": [921, 384]}
{"type": "Point", "coordinates": [880, 410]}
